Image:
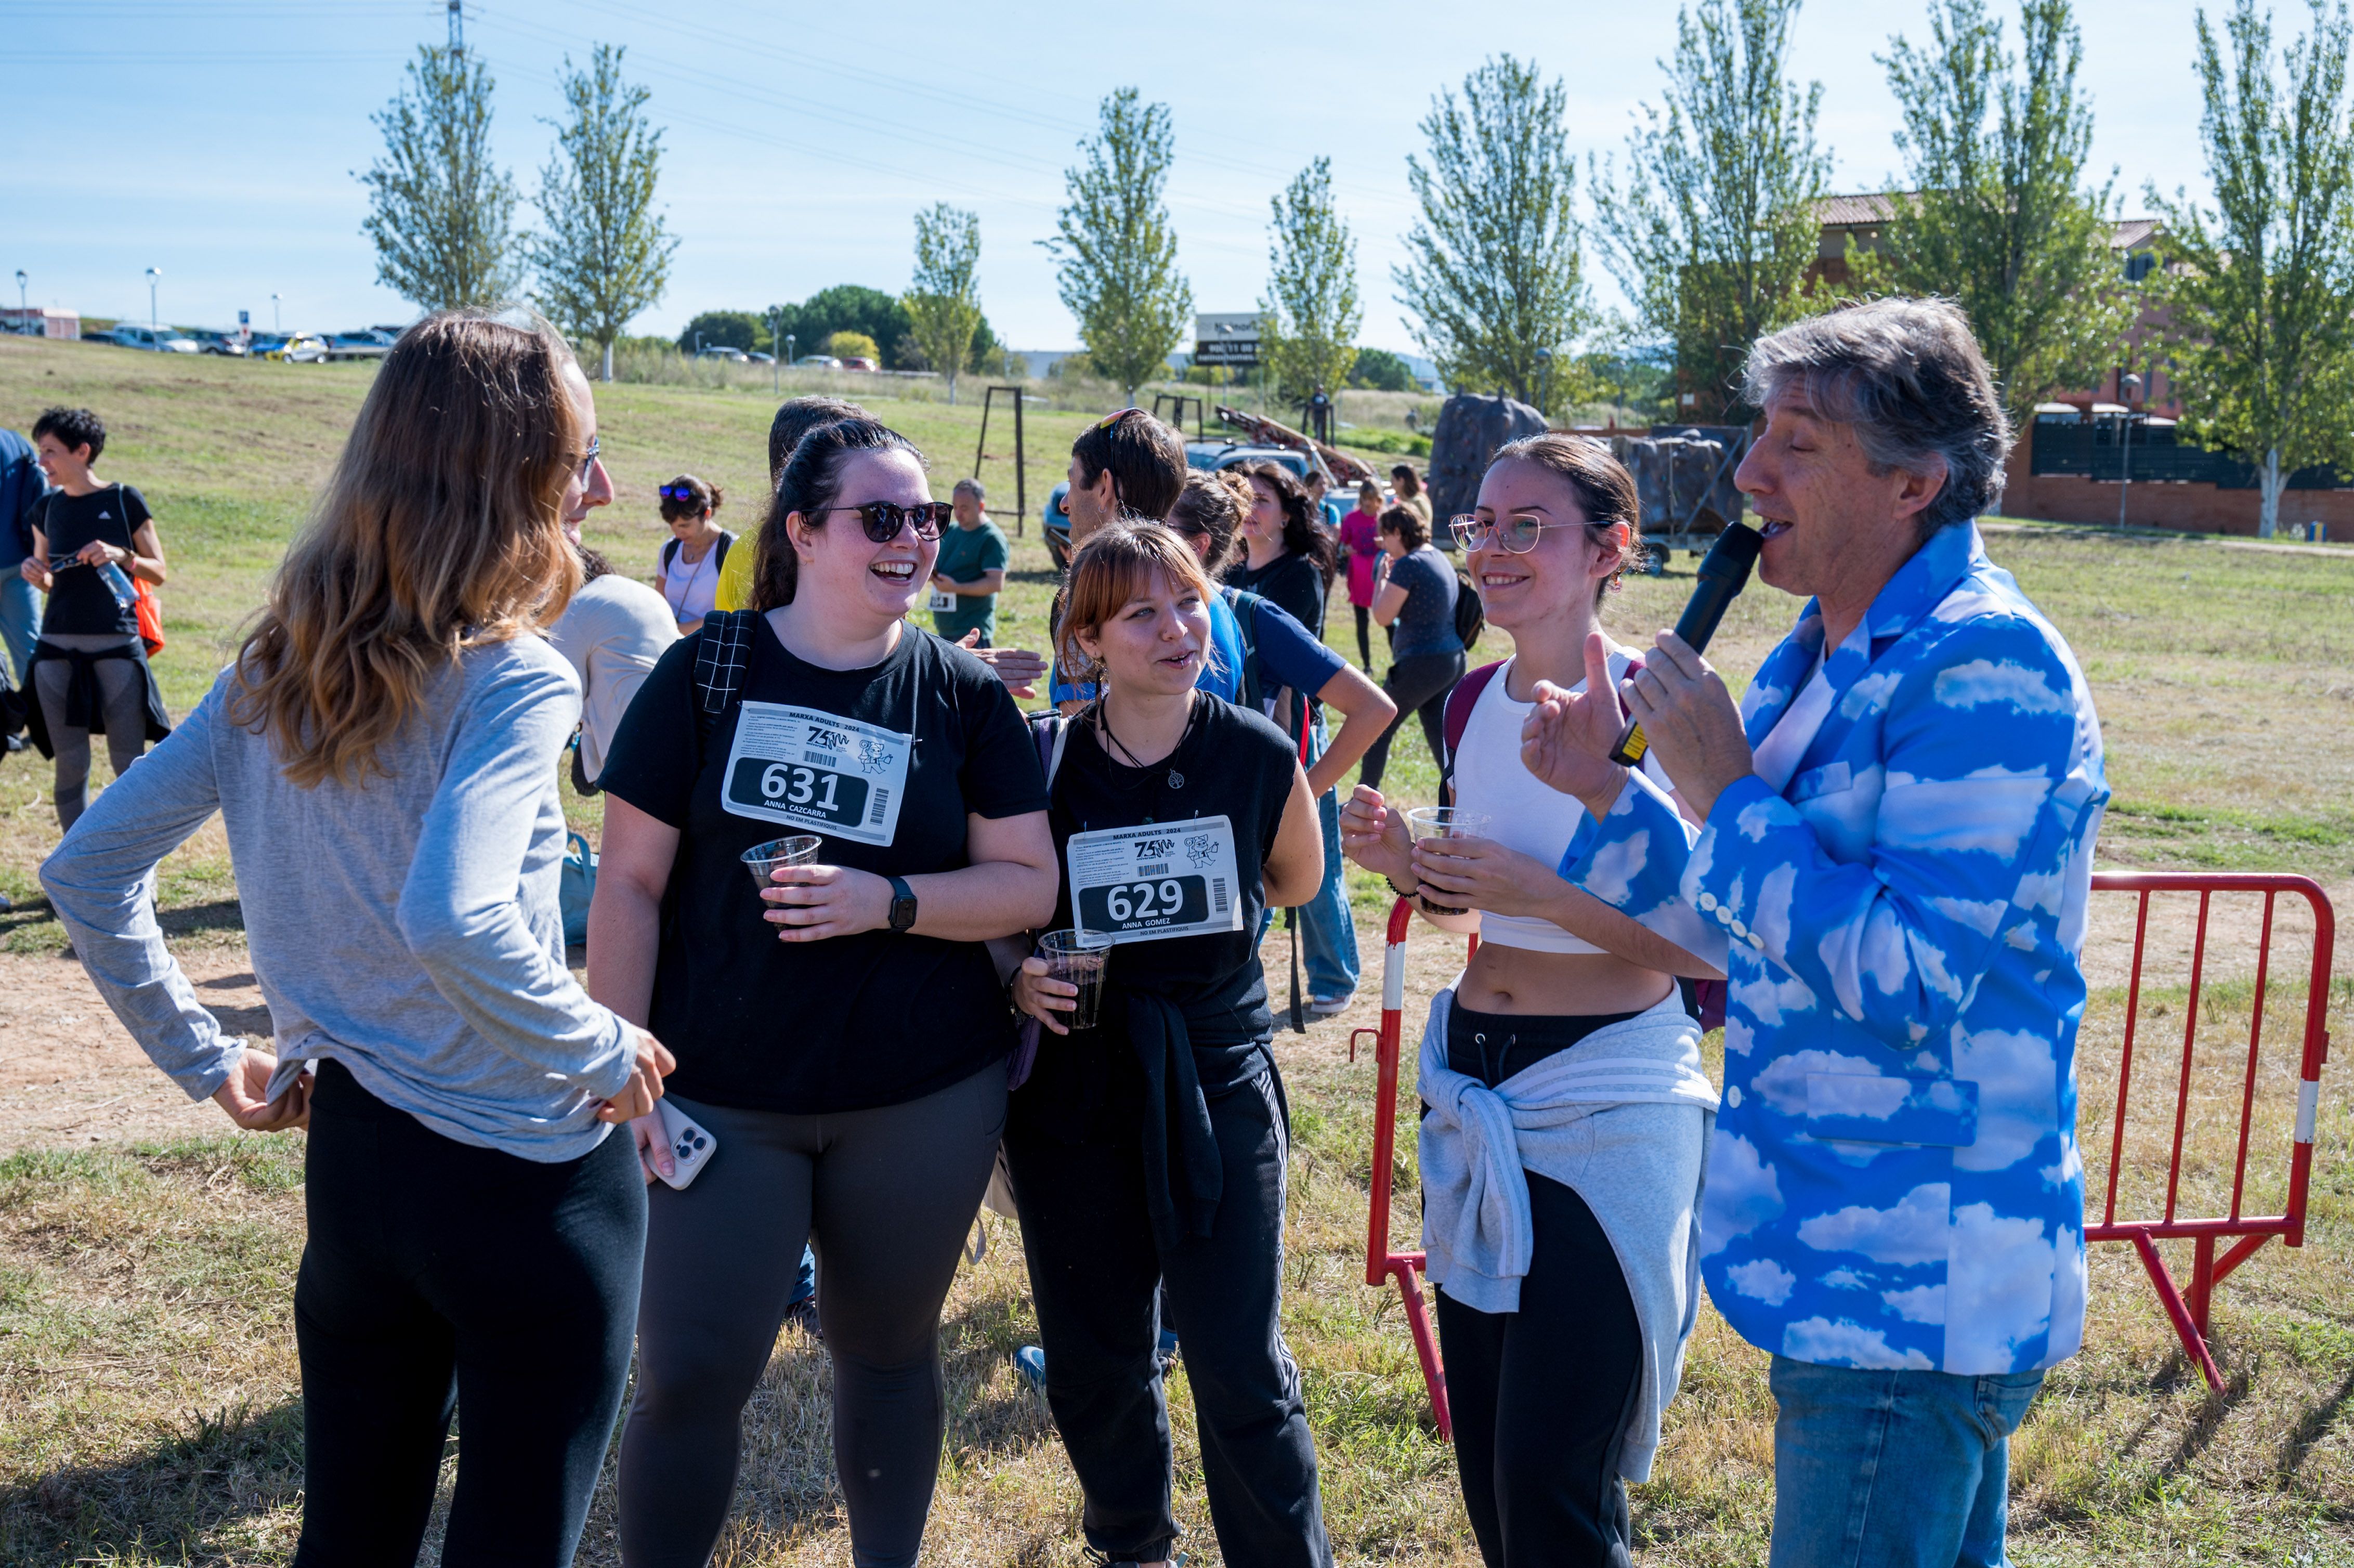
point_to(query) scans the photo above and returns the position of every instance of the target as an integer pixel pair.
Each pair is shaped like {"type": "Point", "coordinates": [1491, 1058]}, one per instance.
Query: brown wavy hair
{"type": "Point", "coordinates": [440, 531]}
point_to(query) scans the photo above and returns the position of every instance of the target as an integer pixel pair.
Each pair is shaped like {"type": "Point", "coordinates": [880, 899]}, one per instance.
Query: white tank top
{"type": "Point", "coordinates": [1529, 815]}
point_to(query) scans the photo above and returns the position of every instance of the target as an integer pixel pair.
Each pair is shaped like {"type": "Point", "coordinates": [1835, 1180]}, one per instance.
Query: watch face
{"type": "Point", "coordinates": [903, 906]}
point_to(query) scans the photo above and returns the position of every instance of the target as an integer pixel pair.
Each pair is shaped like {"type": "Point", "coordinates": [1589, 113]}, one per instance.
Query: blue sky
{"type": "Point", "coordinates": [216, 139]}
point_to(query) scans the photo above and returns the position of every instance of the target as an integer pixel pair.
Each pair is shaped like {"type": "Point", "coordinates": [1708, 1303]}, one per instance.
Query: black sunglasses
{"type": "Point", "coordinates": [884, 519]}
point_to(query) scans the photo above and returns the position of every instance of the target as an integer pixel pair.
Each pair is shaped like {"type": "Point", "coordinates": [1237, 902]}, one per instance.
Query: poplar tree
{"type": "Point", "coordinates": [440, 212]}
{"type": "Point", "coordinates": [2000, 218]}
{"type": "Point", "coordinates": [1309, 314]}
{"type": "Point", "coordinates": [2262, 286]}
{"type": "Point", "coordinates": [606, 255]}
{"type": "Point", "coordinates": [1714, 230]}
{"type": "Point", "coordinates": [1115, 247]}
{"type": "Point", "coordinates": [1497, 276]}
{"type": "Point", "coordinates": [943, 300]}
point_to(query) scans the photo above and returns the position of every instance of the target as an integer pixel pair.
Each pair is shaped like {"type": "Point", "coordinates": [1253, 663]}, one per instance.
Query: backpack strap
{"type": "Point", "coordinates": [669, 555]}
{"type": "Point", "coordinates": [1050, 732]}
{"type": "Point", "coordinates": [725, 539]}
{"type": "Point", "coordinates": [1459, 704]}
{"type": "Point", "coordinates": [719, 666]}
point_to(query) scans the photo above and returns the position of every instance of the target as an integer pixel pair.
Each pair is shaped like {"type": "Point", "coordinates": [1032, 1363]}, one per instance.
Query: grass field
{"type": "Point", "coordinates": [148, 1396]}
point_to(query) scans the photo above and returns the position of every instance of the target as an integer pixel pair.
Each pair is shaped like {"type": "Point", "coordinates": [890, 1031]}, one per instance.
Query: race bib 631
{"type": "Point", "coordinates": [816, 770]}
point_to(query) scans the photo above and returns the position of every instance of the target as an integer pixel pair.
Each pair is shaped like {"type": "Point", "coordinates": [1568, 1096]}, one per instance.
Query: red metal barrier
{"type": "Point", "coordinates": [1382, 1264]}
{"type": "Point", "coordinates": [2188, 1310]}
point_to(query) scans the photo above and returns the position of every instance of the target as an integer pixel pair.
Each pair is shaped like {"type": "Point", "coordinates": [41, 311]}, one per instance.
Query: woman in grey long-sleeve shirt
{"type": "Point", "coordinates": [383, 754]}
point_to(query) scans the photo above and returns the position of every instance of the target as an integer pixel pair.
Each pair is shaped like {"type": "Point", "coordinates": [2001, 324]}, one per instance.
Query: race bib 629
{"type": "Point", "coordinates": [1151, 883]}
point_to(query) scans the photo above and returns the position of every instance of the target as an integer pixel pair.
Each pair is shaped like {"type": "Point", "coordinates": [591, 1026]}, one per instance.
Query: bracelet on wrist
{"type": "Point", "coordinates": [1414, 892]}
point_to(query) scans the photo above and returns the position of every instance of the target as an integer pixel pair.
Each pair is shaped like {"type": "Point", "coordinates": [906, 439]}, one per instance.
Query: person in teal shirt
{"type": "Point", "coordinates": [970, 569]}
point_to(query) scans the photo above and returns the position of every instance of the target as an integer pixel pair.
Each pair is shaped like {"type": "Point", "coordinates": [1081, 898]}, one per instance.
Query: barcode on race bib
{"type": "Point", "coordinates": [1152, 881]}
{"type": "Point", "coordinates": [817, 771]}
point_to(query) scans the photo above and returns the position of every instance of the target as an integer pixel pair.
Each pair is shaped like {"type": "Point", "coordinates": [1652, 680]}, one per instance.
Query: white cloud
{"type": "Point", "coordinates": [1774, 1002]}
{"type": "Point", "coordinates": [1913, 1231]}
{"type": "Point", "coordinates": [1982, 916]}
{"type": "Point", "coordinates": [2067, 1296]}
{"type": "Point", "coordinates": [1825, 1344]}
{"type": "Point", "coordinates": [1922, 1304]}
{"type": "Point", "coordinates": [1758, 818]}
{"type": "Point", "coordinates": [1610, 876]}
{"type": "Point", "coordinates": [1763, 1279]}
{"type": "Point", "coordinates": [1783, 1080]}
{"type": "Point", "coordinates": [1982, 681]}
{"type": "Point", "coordinates": [1771, 919]}
{"type": "Point", "coordinates": [2069, 1167]}
{"type": "Point", "coordinates": [1868, 693]}
{"type": "Point", "coordinates": [1950, 814]}
{"type": "Point", "coordinates": [1742, 1193]}
{"type": "Point", "coordinates": [1738, 1036]}
{"type": "Point", "coordinates": [1846, 1279]}
{"type": "Point", "coordinates": [2039, 890]}
{"type": "Point", "coordinates": [2019, 1095]}
{"type": "Point", "coordinates": [1999, 1288]}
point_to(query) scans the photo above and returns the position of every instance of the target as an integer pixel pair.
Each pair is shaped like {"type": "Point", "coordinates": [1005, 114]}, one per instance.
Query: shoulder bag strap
{"type": "Point", "coordinates": [1459, 704]}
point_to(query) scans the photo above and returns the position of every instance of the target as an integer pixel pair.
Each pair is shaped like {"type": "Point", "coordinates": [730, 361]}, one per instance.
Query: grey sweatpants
{"type": "Point", "coordinates": [889, 1195]}
{"type": "Point", "coordinates": [123, 692]}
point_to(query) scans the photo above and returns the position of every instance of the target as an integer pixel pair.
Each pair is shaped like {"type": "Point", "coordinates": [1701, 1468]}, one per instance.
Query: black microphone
{"type": "Point", "coordinates": [1723, 573]}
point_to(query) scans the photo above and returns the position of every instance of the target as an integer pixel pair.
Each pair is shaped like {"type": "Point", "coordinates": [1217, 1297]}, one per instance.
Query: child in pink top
{"type": "Point", "coordinates": [1360, 545]}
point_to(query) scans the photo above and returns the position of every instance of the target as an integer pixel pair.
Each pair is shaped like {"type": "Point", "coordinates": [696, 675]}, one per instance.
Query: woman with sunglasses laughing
{"type": "Point", "coordinates": [848, 1036]}
{"type": "Point", "coordinates": [1561, 1153]}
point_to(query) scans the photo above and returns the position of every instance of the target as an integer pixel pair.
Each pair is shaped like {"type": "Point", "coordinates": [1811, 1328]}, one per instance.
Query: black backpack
{"type": "Point", "coordinates": [1470, 615]}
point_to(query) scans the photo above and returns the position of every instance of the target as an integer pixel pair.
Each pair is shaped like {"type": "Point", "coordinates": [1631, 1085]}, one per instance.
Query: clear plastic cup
{"type": "Point", "coordinates": [1445, 822]}
{"type": "Point", "coordinates": [801, 849]}
{"type": "Point", "coordinates": [1081, 967]}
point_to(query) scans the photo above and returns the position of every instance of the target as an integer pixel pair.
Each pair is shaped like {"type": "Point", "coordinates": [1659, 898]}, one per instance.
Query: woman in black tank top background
{"type": "Point", "coordinates": [1151, 1148]}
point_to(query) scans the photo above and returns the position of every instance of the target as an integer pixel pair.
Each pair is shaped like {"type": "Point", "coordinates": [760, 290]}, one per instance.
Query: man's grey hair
{"type": "Point", "coordinates": [1909, 376]}
{"type": "Point", "coordinates": [973, 485]}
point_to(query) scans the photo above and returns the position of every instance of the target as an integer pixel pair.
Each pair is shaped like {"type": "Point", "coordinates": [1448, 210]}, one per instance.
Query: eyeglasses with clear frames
{"type": "Point", "coordinates": [1514, 535]}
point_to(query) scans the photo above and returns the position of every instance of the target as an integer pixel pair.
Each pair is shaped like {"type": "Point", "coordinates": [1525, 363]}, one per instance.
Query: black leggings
{"type": "Point", "coordinates": [1365, 635]}
{"type": "Point", "coordinates": [438, 1276]}
{"type": "Point", "coordinates": [1540, 1396]}
{"type": "Point", "coordinates": [890, 1194]}
{"type": "Point", "coordinates": [1418, 683]}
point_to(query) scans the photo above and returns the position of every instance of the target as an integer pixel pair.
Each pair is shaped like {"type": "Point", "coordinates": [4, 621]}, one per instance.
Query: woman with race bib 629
{"type": "Point", "coordinates": [1151, 1146]}
{"type": "Point", "coordinates": [847, 1037]}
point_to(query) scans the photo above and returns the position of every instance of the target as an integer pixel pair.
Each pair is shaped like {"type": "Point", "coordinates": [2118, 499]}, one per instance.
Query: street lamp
{"type": "Point", "coordinates": [2128, 388]}
{"type": "Point", "coordinates": [153, 273]}
{"type": "Point", "coordinates": [273, 314]}
{"type": "Point", "coordinates": [789, 341]}
{"type": "Point", "coordinates": [21, 306]}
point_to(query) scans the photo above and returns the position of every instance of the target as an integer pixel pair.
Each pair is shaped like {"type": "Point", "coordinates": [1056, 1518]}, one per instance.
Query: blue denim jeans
{"type": "Point", "coordinates": [20, 621]}
{"type": "Point", "coordinates": [1893, 1470]}
{"type": "Point", "coordinates": [1328, 936]}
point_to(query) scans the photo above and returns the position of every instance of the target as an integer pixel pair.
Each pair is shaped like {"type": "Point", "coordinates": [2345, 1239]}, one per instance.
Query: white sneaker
{"type": "Point", "coordinates": [1329, 1006]}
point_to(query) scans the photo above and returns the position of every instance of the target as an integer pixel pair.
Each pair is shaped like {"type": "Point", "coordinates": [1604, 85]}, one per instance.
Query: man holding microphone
{"type": "Point", "coordinates": [1893, 853]}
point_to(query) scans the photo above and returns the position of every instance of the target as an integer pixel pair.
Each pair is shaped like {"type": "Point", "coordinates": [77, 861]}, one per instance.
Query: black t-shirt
{"type": "Point", "coordinates": [1290, 580]}
{"type": "Point", "coordinates": [1234, 763]}
{"type": "Point", "coordinates": [850, 1023]}
{"type": "Point", "coordinates": [81, 604]}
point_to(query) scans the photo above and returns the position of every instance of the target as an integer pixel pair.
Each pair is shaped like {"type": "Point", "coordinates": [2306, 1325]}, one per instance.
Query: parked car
{"type": "Point", "coordinates": [226, 344]}
{"type": "Point", "coordinates": [817, 362]}
{"type": "Point", "coordinates": [370, 345]}
{"type": "Point", "coordinates": [720, 351]}
{"type": "Point", "coordinates": [855, 363]}
{"type": "Point", "coordinates": [156, 340]}
{"type": "Point", "coordinates": [757, 358]}
{"type": "Point", "coordinates": [300, 348]}
{"type": "Point", "coordinates": [1215, 455]}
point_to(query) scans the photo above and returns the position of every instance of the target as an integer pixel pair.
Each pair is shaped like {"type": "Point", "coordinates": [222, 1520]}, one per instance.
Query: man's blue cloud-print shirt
{"type": "Point", "coordinates": [1893, 1180]}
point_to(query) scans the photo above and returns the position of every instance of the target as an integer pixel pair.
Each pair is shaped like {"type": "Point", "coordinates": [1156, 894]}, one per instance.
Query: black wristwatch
{"type": "Point", "coordinates": [903, 903]}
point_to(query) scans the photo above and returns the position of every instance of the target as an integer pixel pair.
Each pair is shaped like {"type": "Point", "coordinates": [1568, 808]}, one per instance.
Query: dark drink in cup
{"type": "Point", "coordinates": [1081, 967]}
{"type": "Point", "coordinates": [760, 860]}
{"type": "Point", "coordinates": [1445, 822]}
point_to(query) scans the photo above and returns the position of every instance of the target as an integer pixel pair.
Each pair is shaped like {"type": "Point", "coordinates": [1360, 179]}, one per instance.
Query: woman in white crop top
{"type": "Point", "coordinates": [1562, 1327]}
